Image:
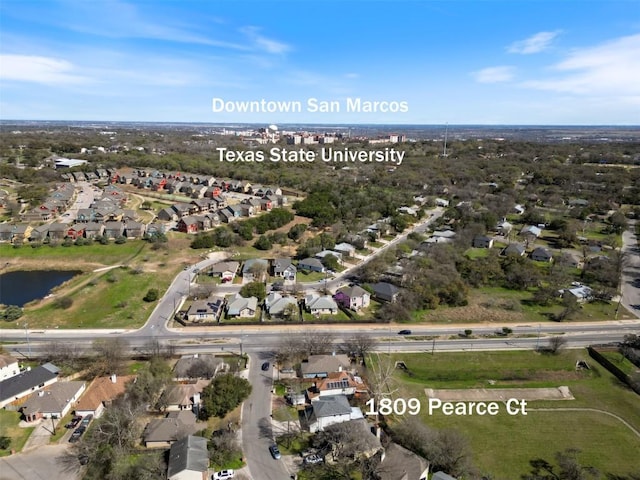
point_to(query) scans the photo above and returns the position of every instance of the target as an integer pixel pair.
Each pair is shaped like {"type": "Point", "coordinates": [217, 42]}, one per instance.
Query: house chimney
{"type": "Point", "coordinates": [114, 378]}
{"type": "Point", "coordinates": [41, 393]}
{"type": "Point", "coordinates": [340, 368]}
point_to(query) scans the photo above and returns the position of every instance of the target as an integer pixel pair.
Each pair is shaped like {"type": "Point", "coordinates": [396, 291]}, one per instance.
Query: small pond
{"type": "Point", "coordinates": [20, 287]}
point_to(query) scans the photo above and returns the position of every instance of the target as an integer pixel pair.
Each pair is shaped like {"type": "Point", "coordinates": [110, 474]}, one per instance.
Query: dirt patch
{"type": "Point", "coordinates": [475, 313]}
{"type": "Point", "coordinates": [499, 394]}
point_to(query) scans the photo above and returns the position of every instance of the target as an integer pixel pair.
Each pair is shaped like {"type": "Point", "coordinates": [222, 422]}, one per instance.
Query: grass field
{"type": "Point", "coordinates": [503, 445]}
{"type": "Point", "coordinates": [9, 427]}
{"type": "Point", "coordinates": [103, 299]}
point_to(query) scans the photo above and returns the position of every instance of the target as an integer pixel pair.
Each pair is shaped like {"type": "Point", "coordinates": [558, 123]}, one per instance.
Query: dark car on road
{"type": "Point", "coordinates": [265, 366]}
{"type": "Point", "coordinates": [74, 422]}
{"type": "Point", "coordinates": [77, 433]}
{"type": "Point", "coordinates": [275, 451]}
{"type": "Point", "coordinates": [404, 332]}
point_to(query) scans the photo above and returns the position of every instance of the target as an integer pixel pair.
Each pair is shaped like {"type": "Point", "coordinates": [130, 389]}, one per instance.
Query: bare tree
{"type": "Point", "coordinates": [380, 377]}
{"type": "Point", "coordinates": [556, 344]}
{"type": "Point", "coordinates": [110, 353]}
{"type": "Point", "coordinates": [358, 345]}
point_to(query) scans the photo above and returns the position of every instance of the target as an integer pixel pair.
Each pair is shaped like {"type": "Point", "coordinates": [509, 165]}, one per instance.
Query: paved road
{"type": "Point", "coordinates": [40, 464]}
{"type": "Point", "coordinates": [257, 433]}
{"type": "Point", "coordinates": [630, 281]}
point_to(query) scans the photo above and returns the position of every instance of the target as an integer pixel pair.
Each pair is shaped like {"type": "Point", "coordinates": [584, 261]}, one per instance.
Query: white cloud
{"type": "Point", "coordinates": [38, 69]}
{"type": "Point", "coordinates": [611, 68]}
{"type": "Point", "coordinates": [494, 74]}
{"type": "Point", "coordinates": [263, 43]}
{"type": "Point", "coordinates": [352, 75]}
{"type": "Point", "coordinates": [534, 44]}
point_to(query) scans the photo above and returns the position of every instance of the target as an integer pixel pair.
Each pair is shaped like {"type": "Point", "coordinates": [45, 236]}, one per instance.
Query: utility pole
{"type": "Point", "coordinates": [26, 333]}
{"type": "Point", "coordinates": [538, 342]}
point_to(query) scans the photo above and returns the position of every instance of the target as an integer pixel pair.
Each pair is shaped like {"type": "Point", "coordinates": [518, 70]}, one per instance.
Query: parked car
{"type": "Point", "coordinates": [265, 366]}
{"type": "Point", "coordinates": [275, 451]}
{"type": "Point", "coordinates": [74, 422]}
{"type": "Point", "coordinates": [312, 459]}
{"type": "Point", "coordinates": [404, 332]}
{"type": "Point", "coordinates": [86, 420]}
{"type": "Point", "coordinates": [223, 475]}
{"type": "Point", "coordinates": [77, 433]}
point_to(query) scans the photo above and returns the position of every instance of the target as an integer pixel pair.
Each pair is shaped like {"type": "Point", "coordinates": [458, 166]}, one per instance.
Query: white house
{"type": "Point", "coordinates": [328, 410]}
{"type": "Point", "coordinates": [8, 367]}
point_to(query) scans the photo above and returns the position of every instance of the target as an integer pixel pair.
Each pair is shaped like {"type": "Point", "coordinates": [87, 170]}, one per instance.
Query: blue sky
{"type": "Point", "coordinates": [460, 62]}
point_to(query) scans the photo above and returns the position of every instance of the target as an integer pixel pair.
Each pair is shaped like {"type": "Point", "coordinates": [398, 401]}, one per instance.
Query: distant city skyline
{"type": "Point", "coordinates": [493, 62]}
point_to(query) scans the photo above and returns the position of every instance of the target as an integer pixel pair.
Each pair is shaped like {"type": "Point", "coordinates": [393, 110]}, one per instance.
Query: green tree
{"type": "Point", "coordinates": [254, 289]}
{"type": "Point", "coordinates": [223, 394]}
{"type": "Point", "coordinates": [263, 243]}
{"type": "Point", "coordinates": [152, 295]}
{"type": "Point", "coordinates": [12, 313]}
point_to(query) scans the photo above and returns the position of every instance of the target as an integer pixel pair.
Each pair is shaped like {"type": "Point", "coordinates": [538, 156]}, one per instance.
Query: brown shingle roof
{"type": "Point", "coordinates": [102, 389]}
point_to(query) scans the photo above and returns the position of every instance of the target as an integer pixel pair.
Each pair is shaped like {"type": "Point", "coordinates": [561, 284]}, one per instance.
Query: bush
{"type": "Point", "coordinates": [5, 443]}
{"type": "Point", "coordinates": [12, 313]}
{"type": "Point", "coordinates": [63, 302]}
{"type": "Point", "coordinates": [152, 295]}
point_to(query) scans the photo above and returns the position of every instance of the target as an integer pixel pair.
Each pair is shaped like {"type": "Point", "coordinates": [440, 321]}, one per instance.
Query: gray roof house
{"type": "Point", "coordinates": [277, 305]}
{"type": "Point", "coordinates": [163, 432]}
{"type": "Point", "coordinates": [225, 270]}
{"type": "Point", "coordinates": [320, 305]}
{"type": "Point", "coordinates": [541, 254]}
{"type": "Point", "coordinates": [311, 264]}
{"type": "Point", "coordinates": [398, 463]}
{"type": "Point", "coordinates": [482, 241]}
{"type": "Point", "coordinates": [29, 381]}
{"type": "Point", "coordinates": [242, 307]}
{"type": "Point", "coordinates": [387, 292]}
{"type": "Point", "coordinates": [183, 369]}
{"type": "Point", "coordinates": [253, 265]}
{"type": "Point", "coordinates": [282, 267]}
{"type": "Point", "coordinates": [188, 459]}
{"type": "Point", "coordinates": [514, 249]}
{"type": "Point", "coordinates": [54, 401]}
{"type": "Point", "coordinates": [331, 409]}
{"type": "Point", "coordinates": [442, 476]}
{"type": "Point", "coordinates": [322, 365]}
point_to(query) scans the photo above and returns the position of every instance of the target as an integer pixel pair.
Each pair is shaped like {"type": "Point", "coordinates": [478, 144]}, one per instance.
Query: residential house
{"type": "Point", "coordinates": [368, 442]}
{"type": "Point", "coordinates": [582, 293]}
{"type": "Point", "coordinates": [164, 432]}
{"type": "Point", "coordinates": [337, 383]}
{"type": "Point", "coordinates": [167, 215]}
{"type": "Point", "coordinates": [283, 268]}
{"type": "Point", "coordinates": [54, 401]}
{"type": "Point", "coordinates": [320, 305]}
{"type": "Point", "coordinates": [6, 232]}
{"type": "Point", "coordinates": [26, 382]}
{"type": "Point", "coordinates": [76, 231]}
{"type": "Point", "coordinates": [57, 231]}
{"type": "Point", "coordinates": [311, 264]}
{"type": "Point", "coordinates": [93, 230]}
{"type": "Point", "coordinates": [322, 365]}
{"type": "Point", "coordinates": [225, 270]}
{"type": "Point", "coordinates": [100, 393]}
{"type": "Point", "coordinates": [541, 254]}
{"type": "Point", "coordinates": [134, 229]}
{"type": "Point", "coordinates": [514, 249]}
{"type": "Point", "coordinates": [345, 249]}
{"type": "Point", "coordinates": [385, 292]}
{"type": "Point", "coordinates": [482, 241]}
{"type": "Point", "coordinates": [242, 307]}
{"type": "Point", "coordinates": [39, 233]}
{"type": "Point", "coordinates": [113, 229]}
{"type": "Point", "coordinates": [354, 297]}
{"type": "Point", "coordinates": [209, 310]}
{"type": "Point", "coordinates": [441, 202]}
{"type": "Point", "coordinates": [183, 396]}
{"type": "Point", "coordinates": [329, 410]}
{"type": "Point", "coordinates": [21, 233]}
{"type": "Point", "coordinates": [398, 463]}
{"type": "Point", "coordinates": [504, 228]}
{"type": "Point", "coordinates": [531, 231]}
{"type": "Point", "coordinates": [255, 270]}
{"type": "Point", "coordinates": [279, 306]}
{"type": "Point", "coordinates": [190, 367]}
{"type": "Point", "coordinates": [8, 367]}
{"type": "Point", "coordinates": [188, 459]}
{"type": "Point", "coordinates": [444, 236]}
{"type": "Point", "coordinates": [326, 253]}
{"type": "Point", "coordinates": [188, 225]}
{"type": "Point", "coordinates": [86, 215]}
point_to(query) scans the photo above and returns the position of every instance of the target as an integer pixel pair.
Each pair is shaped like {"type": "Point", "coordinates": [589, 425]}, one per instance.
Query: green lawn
{"type": "Point", "coordinates": [503, 445]}
{"type": "Point", "coordinates": [9, 428]}
{"type": "Point", "coordinates": [102, 254]}
{"type": "Point", "coordinates": [302, 277]}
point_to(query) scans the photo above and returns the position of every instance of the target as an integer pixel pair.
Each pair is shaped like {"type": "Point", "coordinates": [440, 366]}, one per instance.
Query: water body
{"type": "Point", "coordinates": [20, 287]}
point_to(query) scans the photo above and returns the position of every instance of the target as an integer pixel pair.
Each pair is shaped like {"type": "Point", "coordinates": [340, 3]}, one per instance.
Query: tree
{"type": "Point", "coordinates": [569, 468]}
{"type": "Point", "coordinates": [224, 448]}
{"type": "Point", "coordinates": [110, 354]}
{"type": "Point", "coordinates": [556, 344]}
{"type": "Point", "coordinates": [5, 442]}
{"type": "Point", "coordinates": [151, 295]}
{"type": "Point", "coordinates": [263, 243]}
{"type": "Point", "coordinates": [358, 345]}
{"type": "Point", "coordinates": [254, 289]}
{"type": "Point", "coordinates": [331, 262]}
{"type": "Point", "coordinates": [223, 394]}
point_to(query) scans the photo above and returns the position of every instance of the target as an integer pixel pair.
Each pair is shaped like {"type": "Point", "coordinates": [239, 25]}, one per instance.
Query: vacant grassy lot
{"type": "Point", "coordinates": [102, 299]}
{"type": "Point", "coordinates": [500, 305]}
{"type": "Point", "coordinates": [503, 445]}
{"type": "Point", "coordinates": [9, 428]}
